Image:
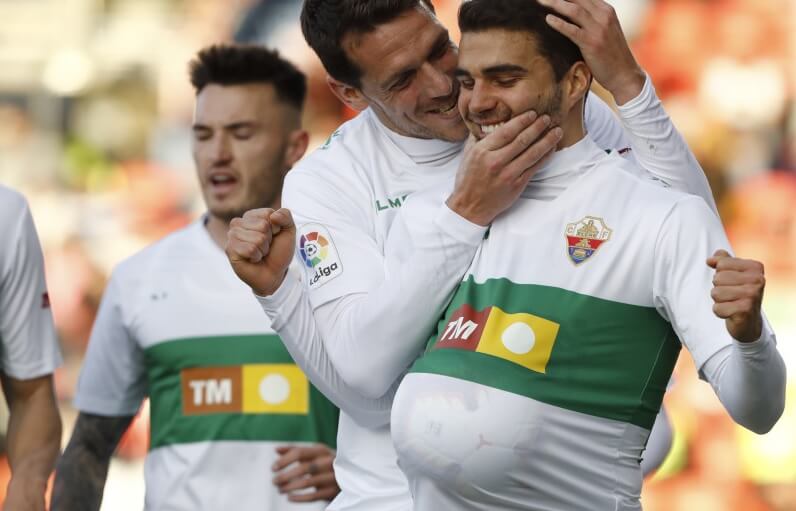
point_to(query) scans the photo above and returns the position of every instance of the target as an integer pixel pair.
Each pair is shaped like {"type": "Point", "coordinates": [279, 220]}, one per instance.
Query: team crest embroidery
{"type": "Point", "coordinates": [585, 236]}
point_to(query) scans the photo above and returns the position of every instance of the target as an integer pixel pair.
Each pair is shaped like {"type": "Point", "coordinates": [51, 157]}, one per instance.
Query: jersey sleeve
{"type": "Point", "coordinates": [682, 280]}
{"type": "Point", "coordinates": [112, 380]}
{"type": "Point", "coordinates": [29, 342]}
{"type": "Point", "coordinates": [603, 125]}
{"type": "Point", "coordinates": [660, 149]}
{"type": "Point", "coordinates": [336, 247]}
{"type": "Point", "coordinates": [293, 320]}
{"type": "Point", "coordinates": [752, 388]}
{"type": "Point", "coordinates": [375, 321]}
{"type": "Point", "coordinates": [644, 127]}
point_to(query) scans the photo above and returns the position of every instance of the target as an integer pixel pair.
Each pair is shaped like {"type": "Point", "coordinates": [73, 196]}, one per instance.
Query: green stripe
{"type": "Point", "coordinates": [164, 362]}
{"type": "Point", "coordinates": [610, 359]}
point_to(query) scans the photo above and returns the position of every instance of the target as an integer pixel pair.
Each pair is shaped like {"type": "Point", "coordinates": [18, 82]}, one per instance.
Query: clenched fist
{"type": "Point", "coordinates": [260, 247]}
{"type": "Point", "coordinates": [738, 294]}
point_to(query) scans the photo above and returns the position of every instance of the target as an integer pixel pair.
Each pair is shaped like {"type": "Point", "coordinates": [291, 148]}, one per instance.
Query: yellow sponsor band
{"type": "Point", "coordinates": [275, 388]}
{"type": "Point", "coordinates": [521, 338]}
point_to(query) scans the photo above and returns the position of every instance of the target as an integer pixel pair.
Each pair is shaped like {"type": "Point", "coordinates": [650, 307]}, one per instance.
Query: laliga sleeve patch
{"type": "Point", "coordinates": [318, 255]}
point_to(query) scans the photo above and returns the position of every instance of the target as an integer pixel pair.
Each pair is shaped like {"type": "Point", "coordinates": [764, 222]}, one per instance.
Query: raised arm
{"type": "Point", "coordinates": [717, 315]}
{"type": "Point", "coordinates": [645, 126]}
{"type": "Point", "coordinates": [83, 468]}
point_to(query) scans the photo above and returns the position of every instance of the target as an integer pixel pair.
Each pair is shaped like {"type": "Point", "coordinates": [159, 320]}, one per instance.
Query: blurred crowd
{"type": "Point", "coordinates": [95, 114]}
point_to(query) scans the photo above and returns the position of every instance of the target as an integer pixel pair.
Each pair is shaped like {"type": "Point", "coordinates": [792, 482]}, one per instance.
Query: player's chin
{"type": "Point", "coordinates": [449, 129]}
{"type": "Point", "coordinates": [226, 212]}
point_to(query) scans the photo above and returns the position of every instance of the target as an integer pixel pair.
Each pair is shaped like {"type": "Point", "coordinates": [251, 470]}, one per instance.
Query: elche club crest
{"type": "Point", "coordinates": [585, 237]}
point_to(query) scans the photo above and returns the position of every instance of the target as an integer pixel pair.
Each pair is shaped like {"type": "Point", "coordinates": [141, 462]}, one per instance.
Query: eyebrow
{"type": "Point", "coordinates": [505, 69]}
{"type": "Point", "coordinates": [232, 126]}
{"type": "Point", "coordinates": [500, 69]}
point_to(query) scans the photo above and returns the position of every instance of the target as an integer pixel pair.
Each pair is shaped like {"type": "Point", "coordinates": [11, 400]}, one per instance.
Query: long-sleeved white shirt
{"type": "Point", "coordinates": [364, 312]}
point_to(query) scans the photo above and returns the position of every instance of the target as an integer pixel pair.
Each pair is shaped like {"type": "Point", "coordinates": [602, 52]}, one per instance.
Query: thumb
{"type": "Point", "coordinates": [283, 449]}
{"type": "Point", "coordinates": [717, 256]}
{"type": "Point", "coordinates": [282, 220]}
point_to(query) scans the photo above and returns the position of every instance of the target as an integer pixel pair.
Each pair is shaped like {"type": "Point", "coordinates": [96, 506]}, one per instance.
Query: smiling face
{"type": "Point", "coordinates": [502, 74]}
{"type": "Point", "coordinates": [407, 76]}
{"type": "Point", "coordinates": [241, 146]}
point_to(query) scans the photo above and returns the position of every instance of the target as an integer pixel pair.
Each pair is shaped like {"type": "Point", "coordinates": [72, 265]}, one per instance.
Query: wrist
{"type": "Point", "coordinates": [463, 207]}
{"type": "Point", "coordinates": [26, 488]}
{"type": "Point", "coordinates": [273, 286]}
{"type": "Point", "coordinates": [628, 87]}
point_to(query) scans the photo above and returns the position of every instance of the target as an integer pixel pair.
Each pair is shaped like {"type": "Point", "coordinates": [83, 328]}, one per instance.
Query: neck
{"type": "Point", "coordinates": [573, 127]}
{"type": "Point", "coordinates": [218, 230]}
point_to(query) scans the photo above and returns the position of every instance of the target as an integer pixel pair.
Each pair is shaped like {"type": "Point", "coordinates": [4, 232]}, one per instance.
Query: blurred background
{"type": "Point", "coordinates": [95, 112]}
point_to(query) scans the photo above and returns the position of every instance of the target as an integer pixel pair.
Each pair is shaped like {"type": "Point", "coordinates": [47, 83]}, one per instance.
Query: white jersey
{"type": "Point", "coordinates": [176, 325]}
{"type": "Point", "coordinates": [28, 343]}
{"type": "Point", "coordinates": [345, 198]}
{"type": "Point", "coordinates": [538, 390]}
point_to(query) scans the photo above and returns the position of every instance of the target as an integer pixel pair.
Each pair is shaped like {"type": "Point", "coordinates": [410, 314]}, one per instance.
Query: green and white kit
{"type": "Point", "coordinates": [176, 325]}
{"type": "Point", "coordinates": [543, 379]}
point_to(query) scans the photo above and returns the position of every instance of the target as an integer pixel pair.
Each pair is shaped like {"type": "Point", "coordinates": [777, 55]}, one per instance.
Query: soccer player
{"type": "Point", "coordinates": [226, 401]}
{"type": "Point", "coordinates": [540, 386]}
{"type": "Point", "coordinates": [30, 354]}
{"type": "Point", "coordinates": [368, 300]}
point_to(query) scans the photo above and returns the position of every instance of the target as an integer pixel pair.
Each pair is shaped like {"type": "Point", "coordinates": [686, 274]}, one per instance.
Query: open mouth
{"type": "Point", "coordinates": [222, 182]}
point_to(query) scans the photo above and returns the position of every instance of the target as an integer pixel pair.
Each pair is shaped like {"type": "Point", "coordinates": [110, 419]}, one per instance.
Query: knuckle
{"type": "Point", "coordinates": [494, 168]}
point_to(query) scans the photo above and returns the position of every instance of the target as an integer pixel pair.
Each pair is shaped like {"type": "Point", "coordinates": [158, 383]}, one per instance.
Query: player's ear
{"type": "Point", "coordinates": [576, 83]}
{"type": "Point", "coordinates": [348, 94]}
{"type": "Point", "coordinates": [297, 143]}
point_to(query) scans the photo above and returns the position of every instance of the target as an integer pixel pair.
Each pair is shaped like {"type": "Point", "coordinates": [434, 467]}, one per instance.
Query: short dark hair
{"type": "Point", "coordinates": [238, 64]}
{"type": "Point", "coordinates": [325, 23]}
{"type": "Point", "coordinates": [522, 16]}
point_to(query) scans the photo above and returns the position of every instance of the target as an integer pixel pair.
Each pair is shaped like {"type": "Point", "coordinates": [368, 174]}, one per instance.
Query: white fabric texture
{"type": "Point", "coordinates": [28, 342]}
{"type": "Point", "coordinates": [654, 258]}
{"type": "Point", "coordinates": [179, 291]}
{"type": "Point", "coordinates": [347, 324]}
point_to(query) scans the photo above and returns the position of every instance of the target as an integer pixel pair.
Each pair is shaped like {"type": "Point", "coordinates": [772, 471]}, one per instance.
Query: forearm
{"type": "Point", "coordinates": [80, 479]}
{"type": "Point", "coordinates": [83, 468]}
{"type": "Point", "coordinates": [292, 318]}
{"type": "Point", "coordinates": [34, 439]}
{"type": "Point", "coordinates": [340, 346]}
{"type": "Point", "coordinates": [372, 338]}
{"type": "Point", "coordinates": [659, 148]}
{"type": "Point", "coordinates": [34, 435]}
{"type": "Point", "coordinates": [749, 379]}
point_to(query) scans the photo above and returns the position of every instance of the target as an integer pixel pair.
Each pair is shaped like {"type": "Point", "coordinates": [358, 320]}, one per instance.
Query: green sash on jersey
{"type": "Point", "coordinates": [586, 354]}
{"type": "Point", "coordinates": [244, 388]}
